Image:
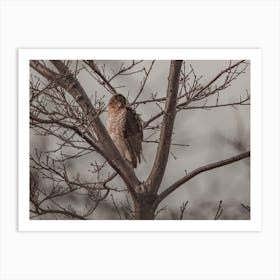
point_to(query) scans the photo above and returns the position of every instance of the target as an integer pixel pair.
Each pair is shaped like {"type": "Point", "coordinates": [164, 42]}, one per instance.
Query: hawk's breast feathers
{"type": "Point", "coordinates": [125, 129]}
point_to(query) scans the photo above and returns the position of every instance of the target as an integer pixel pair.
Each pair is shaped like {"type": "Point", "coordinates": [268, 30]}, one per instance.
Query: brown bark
{"type": "Point", "coordinates": [144, 212]}
{"type": "Point", "coordinates": [144, 207]}
{"type": "Point", "coordinates": [105, 145]}
{"type": "Point", "coordinates": [158, 170]}
{"type": "Point", "coordinates": [145, 203]}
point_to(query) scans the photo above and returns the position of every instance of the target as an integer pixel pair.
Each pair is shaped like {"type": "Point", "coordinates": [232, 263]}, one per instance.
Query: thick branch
{"type": "Point", "coordinates": [66, 80]}
{"type": "Point", "coordinates": [44, 71]}
{"type": "Point", "coordinates": [71, 84]}
{"type": "Point", "coordinates": [199, 170]}
{"type": "Point", "coordinates": [161, 159]}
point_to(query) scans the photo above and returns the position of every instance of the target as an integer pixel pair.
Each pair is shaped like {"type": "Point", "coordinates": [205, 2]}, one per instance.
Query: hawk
{"type": "Point", "coordinates": [125, 129]}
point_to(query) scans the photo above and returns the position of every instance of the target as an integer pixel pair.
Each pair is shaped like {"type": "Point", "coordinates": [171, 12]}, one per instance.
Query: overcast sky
{"type": "Point", "coordinates": [212, 135]}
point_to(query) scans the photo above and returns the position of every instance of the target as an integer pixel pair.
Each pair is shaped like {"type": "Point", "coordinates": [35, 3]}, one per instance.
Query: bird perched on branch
{"type": "Point", "coordinates": [125, 129]}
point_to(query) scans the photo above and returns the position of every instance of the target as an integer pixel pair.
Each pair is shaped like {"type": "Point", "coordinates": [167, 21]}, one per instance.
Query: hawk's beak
{"type": "Point", "coordinates": [119, 104]}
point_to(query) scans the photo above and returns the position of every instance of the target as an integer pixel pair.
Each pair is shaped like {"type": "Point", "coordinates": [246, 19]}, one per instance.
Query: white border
{"type": "Point", "coordinates": [255, 224]}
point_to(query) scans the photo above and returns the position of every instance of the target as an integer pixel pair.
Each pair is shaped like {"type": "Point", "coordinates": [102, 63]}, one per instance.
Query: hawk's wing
{"type": "Point", "coordinates": [133, 135]}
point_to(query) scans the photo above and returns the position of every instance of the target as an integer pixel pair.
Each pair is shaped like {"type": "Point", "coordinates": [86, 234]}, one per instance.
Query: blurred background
{"type": "Point", "coordinates": [203, 133]}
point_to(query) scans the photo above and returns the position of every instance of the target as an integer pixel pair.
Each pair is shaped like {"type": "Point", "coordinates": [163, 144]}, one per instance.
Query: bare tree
{"type": "Point", "coordinates": [61, 109]}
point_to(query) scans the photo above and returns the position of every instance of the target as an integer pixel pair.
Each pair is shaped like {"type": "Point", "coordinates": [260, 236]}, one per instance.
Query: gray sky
{"type": "Point", "coordinates": [211, 135]}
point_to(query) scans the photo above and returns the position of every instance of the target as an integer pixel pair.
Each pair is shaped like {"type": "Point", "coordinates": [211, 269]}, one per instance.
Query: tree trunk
{"type": "Point", "coordinates": [144, 211]}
